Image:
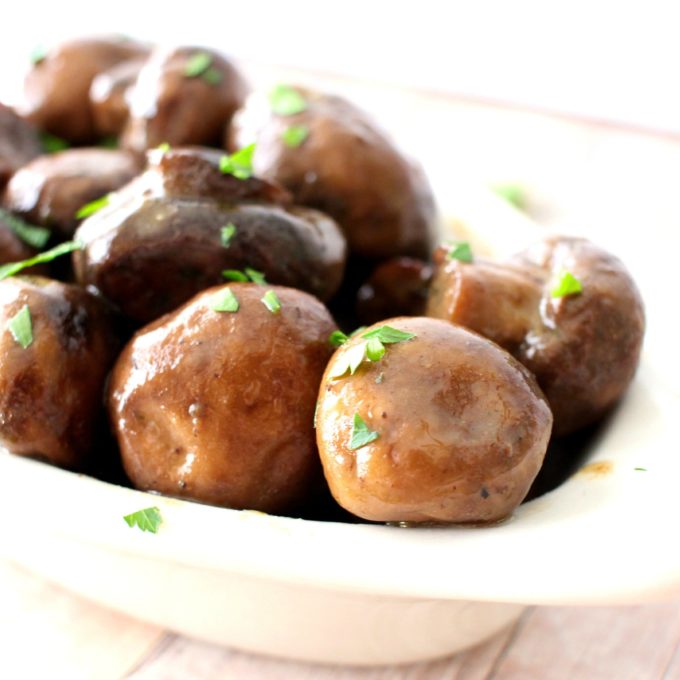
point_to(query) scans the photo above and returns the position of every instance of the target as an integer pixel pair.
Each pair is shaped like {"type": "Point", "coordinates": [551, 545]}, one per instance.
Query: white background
{"type": "Point", "coordinates": [611, 60]}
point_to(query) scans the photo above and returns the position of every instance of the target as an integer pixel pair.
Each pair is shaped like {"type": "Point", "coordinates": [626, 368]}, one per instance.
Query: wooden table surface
{"type": "Point", "coordinates": [574, 172]}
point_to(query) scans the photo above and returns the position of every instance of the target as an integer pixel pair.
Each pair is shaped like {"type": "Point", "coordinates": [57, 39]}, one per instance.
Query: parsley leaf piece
{"type": "Point", "coordinates": [224, 301]}
{"type": "Point", "coordinates": [388, 335]}
{"type": "Point", "coordinates": [239, 164]}
{"type": "Point", "coordinates": [375, 350]}
{"type": "Point", "coordinates": [640, 469]}
{"type": "Point", "coordinates": [234, 275]}
{"type": "Point", "coordinates": [12, 268]}
{"type": "Point", "coordinates": [285, 100]}
{"type": "Point", "coordinates": [21, 327]}
{"type": "Point", "coordinates": [93, 206]}
{"type": "Point", "coordinates": [227, 232]}
{"type": "Point", "coordinates": [356, 331]}
{"type": "Point", "coordinates": [148, 519]}
{"type": "Point", "coordinates": [197, 64]}
{"type": "Point", "coordinates": [36, 237]}
{"type": "Point", "coordinates": [271, 301]}
{"type": "Point", "coordinates": [255, 276]}
{"type": "Point", "coordinates": [294, 135]}
{"type": "Point", "coordinates": [163, 147]}
{"type": "Point", "coordinates": [460, 251]}
{"type": "Point", "coordinates": [361, 434]}
{"type": "Point", "coordinates": [512, 193]}
{"type": "Point", "coordinates": [212, 76]}
{"type": "Point", "coordinates": [567, 284]}
{"type": "Point", "coordinates": [337, 338]}
{"type": "Point", "coordinates": [38, 54]}
{"type": "Point", "coordinates": [51, 143]}
{"type": "Point", "coordinates": [350, 359]}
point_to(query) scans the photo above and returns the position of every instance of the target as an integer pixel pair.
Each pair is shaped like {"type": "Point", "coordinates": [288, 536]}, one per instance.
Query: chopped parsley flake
{"type": "Point", "coordinates": [271, 301]}
{"type": "Point", "coordinates": [460, 251]}
{"type": "Point", "coordinates": [224, 301]}
{"type": "Point", "coordinates": [197, 64]}
{"type": "Point", "coordinates": [285, 100]}
{"type": "Point", "coordinates": [227, 232]}
{"type": "Point", "coordinates": [12, 268]}
{"type": "Point", "coordinates": [148, 519]}
{"type": "Point", "coordinates": [51, 143]}
{"type": "Point", "coordinates": [93, 207]}
{"type": "Point", "coordinates": [337, 338]}
{"type": "Point", "coordinates": [361, 434]}
{"type": "Point", "coordinates": [239, 164]}
{"type": "Point", "coordinates": [295, 135]}
{"type": "Point", "coordinates": [21, 327]}
{"type": "Point", "coordinates": [567, 284]}
{"type": "Point", "coordinates": [35, 237]}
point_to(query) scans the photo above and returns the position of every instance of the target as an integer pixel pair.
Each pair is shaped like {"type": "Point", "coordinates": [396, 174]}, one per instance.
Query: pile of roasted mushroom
{"type": "Point", "coordinates": [196, 244]}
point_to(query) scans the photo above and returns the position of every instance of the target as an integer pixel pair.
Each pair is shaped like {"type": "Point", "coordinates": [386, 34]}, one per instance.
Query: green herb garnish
{"type": "Point", "coordinates": [227, 232]}
{"type": "Point", "coordinates": [567, 284]}
{"type": "Point", "coordinates": [640, 469]}
{"type": "Point", "coordinates": [361, 434]}
{"type": "Point", "coordinates": [337, 338]}
{"type": "Point", "coordinates": [286, 101]}
{"type": "Point", "coordinates": [459, 251]}
{"type": "Point", "coordinates": [294, 135]}
{"type": "Point", "coordinates": [235, 275]}
{"type": "Point", "coordinates": [38, 54]}
{"type": "Point", "coordinates": [255, 276]}
{"type": "Point", "coordinates": [93, 207]}
{"type": "Point", "coordinates": [212, 76]}
{"type": "Point", "coordinates": [197, 64]}
{"type": "Point", "coordinates": [239, 164]}
{"type": "Point", "coordinates": [21, 327]}
{"type": "Point", "coordinates": [51, 143]}
{"type": "Point", "coordinates": [371, 349]}
{"type": "Point", "coordinates": [224, 301]}
{"type": "Point", "coordinates": [12, 268]}
{"type": "Point", "coordinates": [36, 237]}
{"type": "Point", "coordinates": [163, 147]}
{"type": "Point", "coordinates": [512, 193]}
{"type": "Point", "coordinates": [148, 519]}
{"type": "Point", "coordinates": [271, 301]}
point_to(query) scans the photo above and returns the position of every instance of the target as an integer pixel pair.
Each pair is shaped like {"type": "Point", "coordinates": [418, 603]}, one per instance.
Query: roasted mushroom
{"type": "Point", "coordinates": [56, 348]}
{"type": "Point", "coordinates": [215, 402]}
{"type": "Point", "coordinates": [183, 96]}
{"type": "Point", "coordinates": [397, 287]}
{"type": "Point", "coordinates": [568, 310]}
{"type": "Point", "coordinates": [12, 247]}
{"type": "Point", "coordinates": [109, 96]}
{"type": "Point", "coordinates": [19, 143]}
{"type": "Point", "coordinates": [332, 156]}
{"type": "Point", "coordinates": [50, 190]}
{"type": "Point", "coordinates": [57, 88]}
{"type": "Point", "coordinates": [443, 426]}
{"type": "Point", "coordinates": [172, 232]}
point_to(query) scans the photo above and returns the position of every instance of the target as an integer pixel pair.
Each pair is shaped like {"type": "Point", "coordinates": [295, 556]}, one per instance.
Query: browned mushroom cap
{"type": "Point", "coordinates": [218, 406]}
{"type": "Point", "coordinates": [397, 287]}
{"type": "Point", "coordinates": [57, 88]}
{"type": "Point", "coordinates": [19, 143]}
{"type": "Point", "coordinates": [445, 427]}
{"type": "Point", "coordinates": [51, 189]}
{"type": "Point", "coordinates": [108, 96]}
{"type": "Point", "coordinates": [51, 389]}
{"type": "Point", "coordinates": [183, 96]}
{"type": "Point", "coordinates": [343, 164]}
{"type": "Point", "coordinates": [162, 240]}
{"type": "Point", "coordinates": [583, 348]}
{"type": "Point", "coordinates": [12, 248]}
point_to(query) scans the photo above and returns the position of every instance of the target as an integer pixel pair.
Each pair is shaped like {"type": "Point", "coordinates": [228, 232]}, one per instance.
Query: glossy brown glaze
{"type": "Point", "coordinates": [109, 93]}
{"type": "Point", "coordinates": [19, 143]}
{"type": "Point", "coordinates": [51, 392]}
{"type": "Point", "coordinates": [462, 428]}
{"type": "Point", "coordinates": [348, 168]}
{"type": "Point", "coordinates": [167, 105]}
{"type": "Point", "coordinates": [397, 287]}
{"type": "Point", "coordinates": [57, 88]}
{"type": "Point", "coordinates": [218, 407]}
{"type": "Point", "coordinates": [159, 241]}
{"type": "Point", "coordinates": [50, 190]}
{"type": "Point", "coordinates": [583, 349]}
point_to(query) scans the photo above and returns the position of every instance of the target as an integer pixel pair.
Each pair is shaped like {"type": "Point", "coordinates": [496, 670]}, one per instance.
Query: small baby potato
{"type": "Point", "coordinates": [57, 344]}
{"type": "Point", "coordinates": [444, 427]}
{"type": "Point", "coordinates": [215, 402]}
{"type": "Point", "coordinates": [50, 190]}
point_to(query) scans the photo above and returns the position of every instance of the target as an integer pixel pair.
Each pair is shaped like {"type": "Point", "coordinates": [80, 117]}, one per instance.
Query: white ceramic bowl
{"type": "Point", "coordinates": [361, 594]}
